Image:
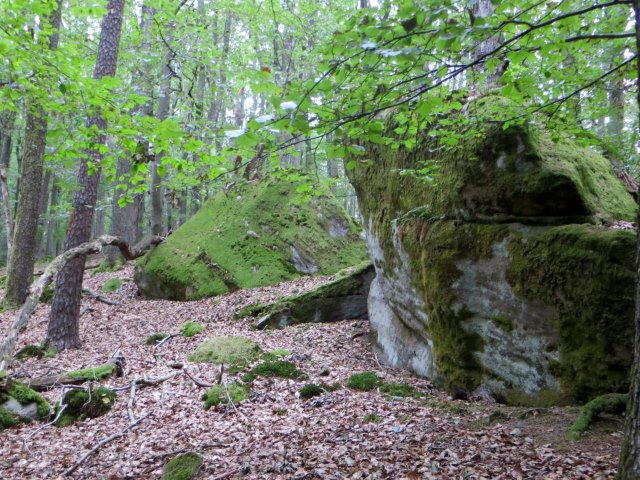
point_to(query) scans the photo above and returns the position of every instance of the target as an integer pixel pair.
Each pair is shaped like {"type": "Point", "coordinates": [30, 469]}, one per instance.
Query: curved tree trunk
{"type": "Point", "coordinates": [63, 331]}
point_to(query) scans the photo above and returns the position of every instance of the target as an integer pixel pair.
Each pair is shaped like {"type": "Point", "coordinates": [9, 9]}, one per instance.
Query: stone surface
{"type": "Point", "coordinates": [498, 277]}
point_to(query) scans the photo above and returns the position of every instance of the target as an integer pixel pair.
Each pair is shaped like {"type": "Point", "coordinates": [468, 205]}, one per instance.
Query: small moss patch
{"type": "Point", "coordinates": [111, 285]}
{"type": "Point", "coordinates": [95, 373]}
{"type": "Point", "coordinates": [217, 395]}
{"type": "Point", "coordinates": [191, 329]}
{"type": "Point", "coordinates": [30, 351]}
{"type": "Point", "coordinates": [230, 351]}
{"type": "Point", "coordinates": [155, 338]}
{"type": "Point", "coordinates": [611, 403]}
{"type": "Point", "coordinates": [311, 390]}
{"type": "Point", "coordinates": [400, 390]}
{"type": "Point", "coordinates": [81, 404]}
{"type": "Point", "coordinates": [182, 467]}
{"type": "Point", "coordinates": [373, 418]}
{"type": "Point", "coordinates": [364, 381]}
{"type": "Point", "coordinates": [276, 354]}
{"type": "Point", "coordinates": [278, 368]}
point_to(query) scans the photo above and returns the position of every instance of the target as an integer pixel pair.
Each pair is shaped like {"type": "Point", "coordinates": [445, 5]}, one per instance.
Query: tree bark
{"type": "Point", "coordinates": [629, 465]}
{"type": "Point", "coordinates": [7, 122]}
{"type": "Point", "coordinates": [51, 243]}
{"type": "Point", "coordinates": [63, 331]}
{"type": "Point", "coordinates": [55, 267]}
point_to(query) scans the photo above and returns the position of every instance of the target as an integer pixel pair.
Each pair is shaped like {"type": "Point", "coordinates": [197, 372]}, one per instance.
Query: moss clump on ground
{"type": "Point", "coordinates": [373, 418]}
{"type": "Point", "coordinates": [220, 394]}
{"type": "Point", "coordinates": [249, 238]}
{"type": "Point", "coordinates": [104, 266]}
{"type": "Point", "coordinates": [191, 329]}
{"type": "Point", "coordinates": [276, 354]}
{"type": "Point", "coordinates": [81, 404]}
{"type": "Point", "coordinates": [155, 338]}
{"type": "Point", "coordinates": [182, 467]}
{"type": "Point", "coordinates": [400, 390]}
{"type": "Point", "coordinates": [311, 390]}
{"type": "Point", "coordinates": [610, 403]}
{"type": "Point", "coordinates": [364, 381]}
{"type": "Point", "coordinates": [111, 285]}
{"type": "Point", "coordinates": [230, 351]}
{"type": "Point", "coordinates": [278, 368]}
{"type": "Point", "coordinates": [36, 351]}
{"type": "Point", "coordinates": [24, 396]}
{"type": "Point", "coordinates": [95, 373]}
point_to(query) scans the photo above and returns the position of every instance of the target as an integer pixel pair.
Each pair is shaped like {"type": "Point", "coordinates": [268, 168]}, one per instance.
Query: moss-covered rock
{"type": "Point", "coordinates": [82, 404]}
{"type": "Point", "coordinates": [182, 467]}
{"type": "Point", "coordinates": [344, 297]}
{"type": "Point", "coordinates": [191, 329]}
{"type": "Point", "coordinates": [229, 351]}
{"type": "Point", "coordinates": [253, 235]}
{"type": "Point", "coordinates": [277, 368]}
{"type": "Point", "coordinates": [497, 275]}
{"type": "Point", "coordinates": [19, 403]}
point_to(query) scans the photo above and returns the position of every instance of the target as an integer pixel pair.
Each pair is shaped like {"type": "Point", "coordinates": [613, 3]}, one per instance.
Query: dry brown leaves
{"type": "Point", "coordinates": [275, 434]}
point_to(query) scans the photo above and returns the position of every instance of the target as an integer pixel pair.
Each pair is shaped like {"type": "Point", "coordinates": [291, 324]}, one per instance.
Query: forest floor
{"type": "Point", "coordinates": [275, 434]}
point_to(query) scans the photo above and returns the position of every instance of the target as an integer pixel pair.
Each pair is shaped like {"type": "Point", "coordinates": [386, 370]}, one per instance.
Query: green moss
{"type": "Point", "coordinates": [578, 270]}
{"type": "Point", "coordinates": [311, 390]}
{"type": "Point", "coordinates": [248, 377]}
{"type": "Point", "coordinates": [82, 404]}
{"type": "Point", "coordinates": [111, 285]}
{"type": "Point", "coordinates": [364, 381]}
{"type": "Point", "coordinates": [278, 368]}
{"type": "Point", "coordinates": [155, 338]}
{"type": "Point", "coordinates": [95, 373]}
{"type": "Point", "coordinates": [47, 294]}
{"type": "Point", "coordinates": [182, 467]}
{"type": "Point", "coordinates": [400, 390]}
{"type": "Point", "coordinates": [105, 267]}
{"type": "Point", "coordinates": [7, 419]}
{"type": "Point", "coordinates": [544, 399]}
{"type": "Point", "coordinates": [24, 396]}
{"type": "Point", "coordinates": [503, 322]}
{"type": "Point", "coordinates": [610, 403]}
{"type": "Point", "coordinates": [217, 395]}
{"type": "Point", "coordinates": [373, 418]}
{"type": "Point", "coordinates": [230, 351]}
{"type": "Point", "coordinates": [212, 250]}
{"type": "Point", "coordinates": [276, 354]}
{"type": "Point", "coordinates": [191, 329]}
{"type": "Point", "coordinates": [29, 351]}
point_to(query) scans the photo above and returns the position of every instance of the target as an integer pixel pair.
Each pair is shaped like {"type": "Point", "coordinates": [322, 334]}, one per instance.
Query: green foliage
{"type": "Point", "coordinates": [155, 338]}
{"type": "Point", "coordinates": [400, 390]}
{"type": "Point", "coordinates": [278, 368]}
{"type": "Point", "coordinates": [93, 374]}
{"type": "Point", "coordinates": [191, 329]}
{"type": "Point", "coordinates": [82, 404]}
{"type": "Point", "coordinates": [610, 403]}
{"type": "Point", "coordinates": [364, 381]}
{"type": "Point", "coordinates": [111, 285]}
{"type": "Point", "coordinates": [230, 351]}
{"type": "Point", "coordinates": [182, 467]}
{"type": "Point", "coordinates": [311, 390]}
{"type": "Point", "coordinates": [105, 267]}
{"type": "Point", "coordinates": [220, 394]}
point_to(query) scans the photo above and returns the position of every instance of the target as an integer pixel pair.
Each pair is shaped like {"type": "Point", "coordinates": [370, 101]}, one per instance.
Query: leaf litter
{"type": "Point", "coordinates": [276, 434]}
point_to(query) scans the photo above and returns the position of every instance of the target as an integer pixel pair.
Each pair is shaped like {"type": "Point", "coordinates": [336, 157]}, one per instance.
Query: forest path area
{"type": "Point", "coordinates": [275, 433]}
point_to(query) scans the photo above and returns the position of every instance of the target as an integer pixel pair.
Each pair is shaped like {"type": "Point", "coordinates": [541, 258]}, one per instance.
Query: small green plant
{"type": "Point", "coordinates": [372, 417]}
{"type": "Point", "coordinates": [311, 390]}
{"type": "Point", "coordinates": [155, 338]}
{"type": "Point", "coordinates": [104, 267]}
{"type": "Point", "coordinates": [248, 377]}
{"type": "Point", "coordinates": [47, 294]}
{"type": "Point", "coordinates": [182, 467]}
{"type": "Point", "coordinates": [111, 285]}
{"type": "Point", "coordinates": [96, 373]}
{"type": "Point", "coordinates": [400, 390]}
{"type": "Point", "coordinates": [81, 404]}
{"type": "Point", "coordinates": [364, 381]}
{"type": "Point", "coordinates": [278, 368]}
{"type": "Point", "coordinates": [276, 354]}
{"type": "Point", "coordinates": [218, 394]}
{"type": "Point", "coordinates": [191, 329]}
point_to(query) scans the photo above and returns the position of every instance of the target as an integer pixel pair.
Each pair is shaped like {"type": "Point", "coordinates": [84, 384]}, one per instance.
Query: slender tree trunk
{"type": "Point", "coordinates": [629, 467]}
{"type": "Point", "coordinates": [7, 121]}
{"type": "Point", "coordinates": [63, 331]}
{"type": "Point", "coordinates": [22, 259]}
{"type": "Point", "coordinates": [51, 243]}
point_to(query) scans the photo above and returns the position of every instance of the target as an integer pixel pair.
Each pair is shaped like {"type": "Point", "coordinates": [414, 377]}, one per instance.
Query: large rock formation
{"type": "Point", "coordinates": [503, 276]}
{"type": "Point", "coordinates": [255, 234]}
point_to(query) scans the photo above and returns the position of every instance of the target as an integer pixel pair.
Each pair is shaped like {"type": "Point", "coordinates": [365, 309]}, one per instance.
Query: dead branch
{"type": "Point", "coordinates": [198, 383]}
{"type": "Point", "coordinates": [35, 290]}
{"type": "Point", "coordinates": [102, 443]}
{"type": "Point", "coordinates": [166, 339]}
{"type": "Point", "coordinates": [100, 298]}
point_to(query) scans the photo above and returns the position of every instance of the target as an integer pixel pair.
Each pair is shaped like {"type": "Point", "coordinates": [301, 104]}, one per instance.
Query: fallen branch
{"type": "Point", "coordinates": [166, 339]}
{"type": "Point", "coordinates": [100, 298]}
{"type": "Point", "coordinates": [198, 383]}
{"type": "Point", "coordinates": [102, 443]}
{"type": "Point", "coordinates": [35, 290]}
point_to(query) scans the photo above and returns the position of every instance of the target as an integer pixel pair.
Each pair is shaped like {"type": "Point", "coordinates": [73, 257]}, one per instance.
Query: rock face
{"type": "Point", "coordinates": [499, 277]}
{"type": "Point", "coordinates": [256, 234]}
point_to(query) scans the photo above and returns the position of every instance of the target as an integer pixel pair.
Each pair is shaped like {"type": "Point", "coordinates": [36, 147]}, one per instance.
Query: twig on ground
{"type": "Point", "coordinates": [227, 474]}
{"type": "Point", "coordinates": [199, 383]}
{"type": "Point", "coordinates": [132, 398]}
{"type": "Point", "coordinates": [102, 443]}
{"type": "Point", "coordinates": [166, 339]}
{"type": "Point", "coordinates": [100, 298]}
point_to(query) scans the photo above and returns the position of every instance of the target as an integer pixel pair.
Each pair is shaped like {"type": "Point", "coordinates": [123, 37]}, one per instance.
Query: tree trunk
{"type": "Point", "coordinates": [7, 122]}
{"type": "Point", "coordinates": [63, 331]}
{"type": "Point", "coordinates": [51, 243]}
{"type": "Point", "coordinates": [629, 466]}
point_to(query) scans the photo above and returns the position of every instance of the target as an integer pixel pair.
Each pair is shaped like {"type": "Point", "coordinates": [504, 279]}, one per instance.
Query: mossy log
{"type": "Point", "coordinates": [37, 288]}
{"type": "Point", "coordinates": [610, 403]}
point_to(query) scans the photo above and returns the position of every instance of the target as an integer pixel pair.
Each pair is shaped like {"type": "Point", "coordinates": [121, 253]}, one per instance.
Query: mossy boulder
{"type": "Point", "coordinates": [253, 235]}
{"type": "Point", "coordinates": [20, 404]}
{"type": "Point", "coordinates": [503, 276]}
{"type": "Point", "coordinates": [344, 297]}
{"type": "Point", "coordinates": [182, 467]}
{"type": "Point", "coordinates": [231, 351]}
{"type": "Point", "coordinates": [82, 404]}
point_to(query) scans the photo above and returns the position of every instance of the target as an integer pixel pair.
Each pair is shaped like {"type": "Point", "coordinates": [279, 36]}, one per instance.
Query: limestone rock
{"type": "Point", "coordinates": [498, 274]}
{"type": "Point", "coordinates": [219, 249]}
